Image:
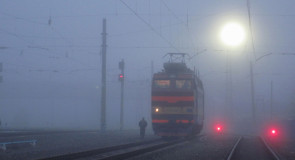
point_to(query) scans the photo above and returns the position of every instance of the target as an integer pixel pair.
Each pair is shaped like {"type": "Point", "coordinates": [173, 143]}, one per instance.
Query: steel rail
{"type": "Point", "coordinates": [262, 140]}
{"type": "Point", "coordinates": [98, 151]}
{"type": "Point", "coordinates": [234, 148]}
{"type": "Point", "coordinates": [134, 150]}
{"type": "Point", "coordinates": [272, 152]}
{"type": "Point", "coordinates": [16, 133]}
{"type": "Point", "coordinates": [141, 151]}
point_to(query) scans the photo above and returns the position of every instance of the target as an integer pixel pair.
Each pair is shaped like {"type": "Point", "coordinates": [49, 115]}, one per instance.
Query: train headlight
{"type": "Point", "coordinates": [157, 110]}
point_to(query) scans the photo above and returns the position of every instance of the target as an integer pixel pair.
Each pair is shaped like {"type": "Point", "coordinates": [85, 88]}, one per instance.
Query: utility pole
{"type": "Point", "coordinates": [251, 65]}
{"type": "Point", "coordinates": [103, 77]}
{"type": "Point", "coordinates": [1, 78]}
{"type": "Point", "coordinates": [271, 101]}
{"type": "Point", "coordinates": [121, 79]}
{"type": "Point", "coordinates": [152, 68]}
{"type": "Point", "coordinates": [252, 94]}
{"type": "Point", "coordinates": [1, 69]}
{"type": "Point", "coordinates": [230, 87]}
{"type": "Point", "coordinates": [229, 103]}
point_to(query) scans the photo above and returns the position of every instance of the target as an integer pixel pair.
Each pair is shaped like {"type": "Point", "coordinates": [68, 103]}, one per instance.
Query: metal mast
{"type": "Point", "coordinates": [103, 77]}
{"type": "Point", "coordinates": [252, 94]}
{"type": "Point", "coordinates": [121, 78]}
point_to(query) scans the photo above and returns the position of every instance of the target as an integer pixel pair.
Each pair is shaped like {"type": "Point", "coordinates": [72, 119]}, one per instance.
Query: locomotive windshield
{"type": "Point", "coordinates": [183, 84]}
{"type": "Point", "coordinates": [162, 83]}
{"type": "Point", "coordinates": [176, 84]}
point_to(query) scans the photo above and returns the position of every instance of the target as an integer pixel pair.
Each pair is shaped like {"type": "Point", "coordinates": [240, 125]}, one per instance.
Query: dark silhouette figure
{"type": "Point", "coordinates": [142, 124]}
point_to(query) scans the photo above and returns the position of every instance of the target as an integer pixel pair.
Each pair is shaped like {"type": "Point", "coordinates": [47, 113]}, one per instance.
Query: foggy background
{"type": "Point", "coordinates": [51, 57]}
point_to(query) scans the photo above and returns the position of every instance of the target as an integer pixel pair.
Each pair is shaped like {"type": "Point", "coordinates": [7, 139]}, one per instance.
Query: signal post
{"type": "Point", "coordinates": [1, 66]}
{"type": "Point", "coordinates": [1, 79]}
{"type": "Point", "coordinates": [103, 76]}
{"type": "Point", "coordinates": [121, 79]}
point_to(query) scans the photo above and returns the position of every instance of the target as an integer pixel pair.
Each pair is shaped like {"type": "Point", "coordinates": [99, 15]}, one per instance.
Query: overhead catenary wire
{"type": "Point", "coordinates": [14, 34]}
{"type": "Point", "coordinates": [179, 19]}
{"type": "Point", "coordinates": [67, 39]}
{"type": "Point", "coordinates": [31, 45]}
{"type": "Point", "coordinates": [149, 25]}
{"type": "Point", "coordinates": [250, 28]}
{"type": "Point", "coordinates": [117, 14]}
{"type": "Point", "coordinates": [28, 20]}
{"type": "Point", "coordinates": [22, 19]}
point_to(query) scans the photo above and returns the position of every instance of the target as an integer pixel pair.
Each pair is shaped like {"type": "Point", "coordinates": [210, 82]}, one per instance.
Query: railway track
{"type": "Point", "coordinates": [121, 151]}
{"type": "Point", "coordinates": [252, 148]}
{"type": "Point", "coordinates": [17, 133]}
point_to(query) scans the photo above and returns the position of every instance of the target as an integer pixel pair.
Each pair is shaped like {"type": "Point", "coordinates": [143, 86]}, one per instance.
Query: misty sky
{"type": "Point", "coordinates": [51, 55]}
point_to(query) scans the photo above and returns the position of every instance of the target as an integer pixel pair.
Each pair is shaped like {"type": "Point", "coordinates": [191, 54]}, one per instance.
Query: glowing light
{"type": "Point", "coordinates": [121, 77]}
{"type": "Point", "coordinates": [232, 34]}
{"type": "Point", "coordinates": [273, 131]}
{"type": "Point", "coordinates": [218, 128]}
{"type": "Point", "coordinates": [157, 109]}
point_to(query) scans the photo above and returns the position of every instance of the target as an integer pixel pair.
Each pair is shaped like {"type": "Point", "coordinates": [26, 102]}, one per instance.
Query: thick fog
{"type": "Point", "coordinates": [51, 58]}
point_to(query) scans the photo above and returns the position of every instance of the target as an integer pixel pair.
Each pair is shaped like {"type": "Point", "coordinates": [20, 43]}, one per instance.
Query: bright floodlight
{"type": "Point", "coordinates": [232, 34]}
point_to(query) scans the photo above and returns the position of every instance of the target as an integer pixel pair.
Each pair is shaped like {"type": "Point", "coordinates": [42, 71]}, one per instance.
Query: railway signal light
{"type": "Point", "coordinates": [121, 77]}
{"type": "Point", "coordinates": [273, 132]}
{"type": "Point", "coordinates": [218, 128]}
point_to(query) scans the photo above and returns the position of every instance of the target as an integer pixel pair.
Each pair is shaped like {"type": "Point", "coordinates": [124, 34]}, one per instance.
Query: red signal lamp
{"type": "Point", "coordinates": [218, 128]}
{"type": "Point", "coordinates": [121, 77]}
{"type": "Point", "coordinates": [273, 132]}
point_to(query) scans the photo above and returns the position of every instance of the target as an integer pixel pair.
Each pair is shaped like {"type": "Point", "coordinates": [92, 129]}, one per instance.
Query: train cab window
{"type": "Point", "coordinates": [183, 84]}
{"type": "Point", "coordinates": [161, 83]}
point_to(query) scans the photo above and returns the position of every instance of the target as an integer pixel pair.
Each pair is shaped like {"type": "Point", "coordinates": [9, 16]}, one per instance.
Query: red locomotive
{"type": "Point", "coordinates": [177, 99]}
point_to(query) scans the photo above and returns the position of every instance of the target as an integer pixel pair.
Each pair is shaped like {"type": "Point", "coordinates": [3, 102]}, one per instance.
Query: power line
{"type": "Point", "coordinates": [274, 15]}
{"type": "Point", "coordinates": [179, 19]}
{"type": "Point", "coordinates": [20, 18]}
{"type": "Point", "coordinates": [172, 11]}
{"type": "Point", "coordinates": [149, 25]}
{"type": "Point", "coordinates": [250, 27]}
{"type": "Point", "coordinates": [27, 20]}
{"type": "Point", "coordinates": [13, 34]}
